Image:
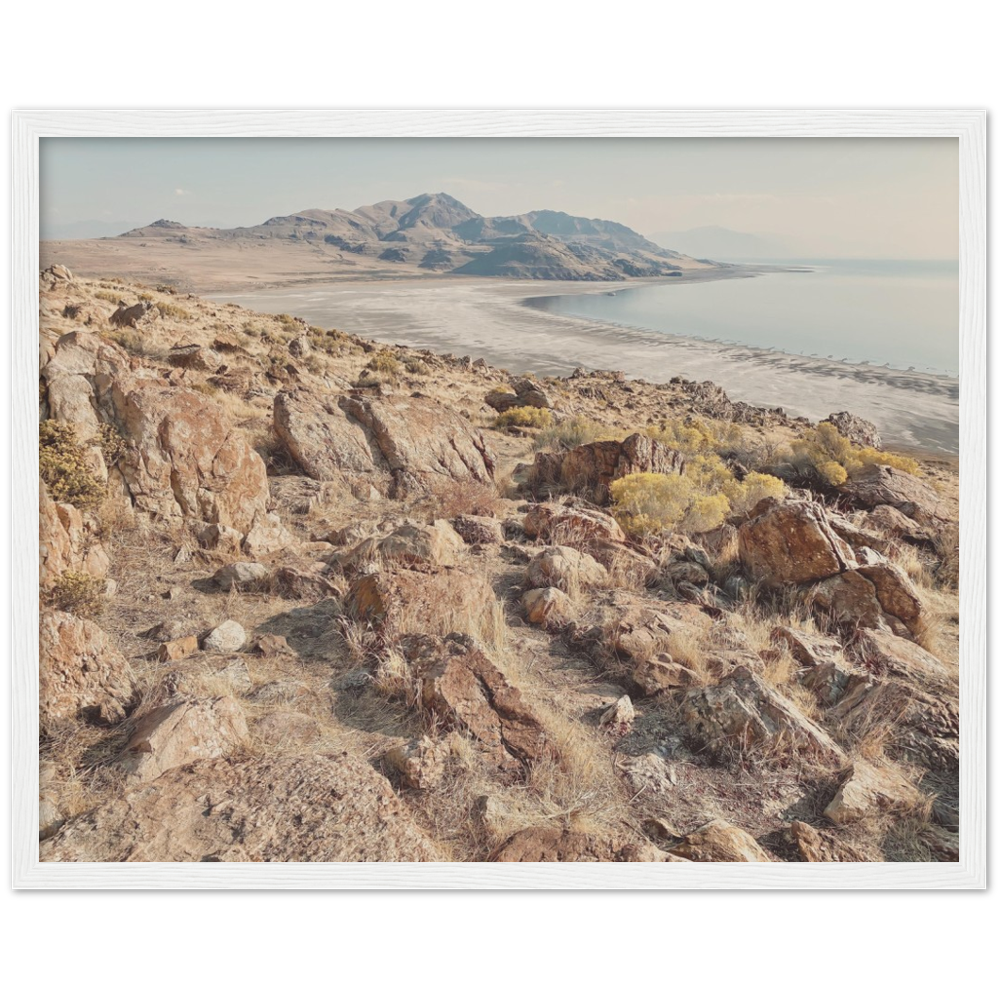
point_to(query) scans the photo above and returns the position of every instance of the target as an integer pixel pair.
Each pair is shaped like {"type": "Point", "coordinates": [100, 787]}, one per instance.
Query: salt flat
{"type": "Point", "coordinates": [489, 319]}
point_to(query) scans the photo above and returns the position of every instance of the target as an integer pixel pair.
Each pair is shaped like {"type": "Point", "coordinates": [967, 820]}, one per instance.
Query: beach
{"type": "Point", "coordinates": [494, 320]}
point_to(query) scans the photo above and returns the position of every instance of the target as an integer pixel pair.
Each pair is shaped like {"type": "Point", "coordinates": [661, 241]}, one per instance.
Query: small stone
{"type": "Point", "coordinates": [618, 718]}
{"type": "Point", "coordinates": [272, 645]}
{"type": "Point", "coordinates": [229, 637]}
{"type": "Point", "coordinates": [239, 575]}
{"type": "Point", "coordinates": [177, 649]}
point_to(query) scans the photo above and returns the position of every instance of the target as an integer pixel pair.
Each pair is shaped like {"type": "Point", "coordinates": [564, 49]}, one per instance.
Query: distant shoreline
{"type": "Point", "coordinates": [491, 318]}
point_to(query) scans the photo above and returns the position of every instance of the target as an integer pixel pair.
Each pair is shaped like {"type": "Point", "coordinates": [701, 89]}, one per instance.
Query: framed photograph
{"type": "Point", "coordinates": [509, 500]}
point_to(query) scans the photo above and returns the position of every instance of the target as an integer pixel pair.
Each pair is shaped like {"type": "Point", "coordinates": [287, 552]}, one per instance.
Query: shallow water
{"type": "Point", "coordinates": [900, 313]}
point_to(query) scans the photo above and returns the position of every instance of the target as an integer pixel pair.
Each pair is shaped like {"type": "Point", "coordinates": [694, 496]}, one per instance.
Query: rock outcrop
{"type": "Point", "coordinates": [867, 789]}
{"type": "Point", "coordinates": [786, 542]}
{"type": "Point", "coordinates": [861, 432]}
{"type": "Point", "coordinates": [182, 732]}
{"type": "Point", "coordinates": [285, 808]}
{"type": "Point", "coordinates": [589, 469]}
{"type": "Point", "coordinates": [185, 458]}
{"type": "Point", "coordinates": [720, 841]}
{"type": "Point", "coordinates": [882, 485]}
{"type": "Point", "coordinates": [462, 688]}
{"type": "Point", "coordinates": [438, 602]}
{"type": "Point", "coordinates": [379, 434]}
{"type": "Point", "coordinates": [566, 569]}
{"type": "Point", "coordinates": [80, 672]}
{"type": "Point", "coordinates": [68, 542]}
{"type": "Point", "coordinates": [546, 844]}
{"type": "Point", "coordinates": [744, 708]}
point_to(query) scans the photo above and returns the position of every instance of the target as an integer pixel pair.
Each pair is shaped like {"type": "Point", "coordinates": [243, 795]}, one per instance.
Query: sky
{"type": "Point", "coordinates": [890, 198]}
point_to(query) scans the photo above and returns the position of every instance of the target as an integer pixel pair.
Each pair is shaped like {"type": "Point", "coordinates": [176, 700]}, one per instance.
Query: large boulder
{"type": "Point", "coordinates": [370, 434]}
{"type": "Point", "coordinates": [68, 542]}
{"type": "Point", "coordinates": [893, 588]}
{"type": "Point", "coordinates": [80, 672]}
{"type": "Point", "coordinates": [546, 844]}
{"type": "Point", "coordinates": [312, 807]}
{"type": "Point", "coordinates": [437, 602]}
{"type": "Point", "coordinates": [182, 732]}
{"type": "Point", "coordinates": [866, 790]}
{"type": "Point", "coordinates": [791, 541]}
{"type": "Point", "coordinates": [589, 469]}
{"type": "Point", "coordinates": [563, 524]}
{"type": "Point", "coordinates": [882, 485]}
{"type": "Point", "coordinates": [566, 569]}
{"type": "Point", "coordinates": [185, 457]}
{"type": "Point", "coordinates": [744, 708]}
{"type": "Point", "coordinates": [462, 688]}
{"type": "Point", "coordinates": [720, 841]}
{"type": "Point", "coordinates": [411, 545]}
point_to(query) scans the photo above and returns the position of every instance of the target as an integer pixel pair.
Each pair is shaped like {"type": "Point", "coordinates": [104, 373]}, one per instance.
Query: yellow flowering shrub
{"type": "Point", "coordinates": [524, 416]}
{"type": "Point", "coordinates": [824, 452]}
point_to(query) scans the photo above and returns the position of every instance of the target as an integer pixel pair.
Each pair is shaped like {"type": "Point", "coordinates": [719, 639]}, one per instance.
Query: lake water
{"type": "Point", "coordinates": [900, 313]}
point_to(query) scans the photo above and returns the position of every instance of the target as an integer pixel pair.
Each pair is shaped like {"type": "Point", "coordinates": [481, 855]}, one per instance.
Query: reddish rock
{"type": "Point", "coordinates": [786, 542]}
{"type": "Point", "coordinates": [545, 844]}
{"type": "Point", "coordinates": [80, 671]}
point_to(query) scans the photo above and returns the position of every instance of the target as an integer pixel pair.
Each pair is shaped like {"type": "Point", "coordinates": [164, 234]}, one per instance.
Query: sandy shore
{"type": "Point", "coordinates": [493, 319]}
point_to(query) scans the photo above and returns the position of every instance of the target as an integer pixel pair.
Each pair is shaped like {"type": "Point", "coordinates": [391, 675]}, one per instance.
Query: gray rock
{"type": "Point", "coordinates": [229, 637]}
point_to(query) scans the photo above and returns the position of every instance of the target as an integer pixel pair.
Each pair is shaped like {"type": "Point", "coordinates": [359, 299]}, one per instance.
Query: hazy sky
{"type": "Point", "coordinates": [833, 197]}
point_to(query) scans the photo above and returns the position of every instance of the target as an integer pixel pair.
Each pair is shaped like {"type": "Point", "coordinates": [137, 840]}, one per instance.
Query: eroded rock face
{"type": "Point", "coordinates": [181, 732]}
{"type": "Point", "coordinates": [80, 671]}
{"type": "Point", "coordinates": [312, 807]}
{"type": "Point", "coordinates": [743, 707]}
{"type": "Point", "coordinates": [68, 542]}
{"type": "Point", "coordinates": [589, 469]}
{"type": "Point", "coordinates": [464, 689]}
{"type": "Point", "coordinates": [379, 434]}
{"type": "Point", "coordinates": [475, 530]}
{"type": "Point", "coordinates": [545, 844]}
{"type": "Point", "coordinates": [893, 589]}
{"type": "Point", "coordinates": [720, 841]}
{"type": "Point", "coordinates": [882, 485]}
{"type": "Point", "coordinates": [788, 542]}
{"type": "Point", "coordinates": [437, 602]}
{"type": "Point", "coordinates": [186, 459]}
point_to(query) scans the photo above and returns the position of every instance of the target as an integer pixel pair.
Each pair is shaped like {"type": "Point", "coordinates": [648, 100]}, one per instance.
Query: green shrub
{"type": "Point", "coordinates": [524, 416]}
{"type": "Point", "coordinates": [385, 362]}
{"type": "Point", "coordinates": [648, 503]}
{"type": "Point", "coordinates": [825, 455]}
{"type": "Point", "coordinates": [63, 466]}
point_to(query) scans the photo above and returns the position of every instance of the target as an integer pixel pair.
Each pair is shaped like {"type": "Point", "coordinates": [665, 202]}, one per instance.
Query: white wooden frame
{"type": "Point", "coordinates": [969, 127]}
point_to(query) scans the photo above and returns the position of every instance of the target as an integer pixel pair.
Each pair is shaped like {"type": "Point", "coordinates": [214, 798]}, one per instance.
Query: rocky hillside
{"type": "Point", "coordinates": [432, 233]}
{"type": "Point", "coordinates": [311, 598]}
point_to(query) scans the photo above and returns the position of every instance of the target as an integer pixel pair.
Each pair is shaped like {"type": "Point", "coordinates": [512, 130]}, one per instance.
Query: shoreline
{"type": "Point", "coordinates": [488, 318]}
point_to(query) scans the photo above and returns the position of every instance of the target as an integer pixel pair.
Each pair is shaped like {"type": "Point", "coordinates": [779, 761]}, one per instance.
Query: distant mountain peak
{"type": "Point", "coordinates": [437, 231]}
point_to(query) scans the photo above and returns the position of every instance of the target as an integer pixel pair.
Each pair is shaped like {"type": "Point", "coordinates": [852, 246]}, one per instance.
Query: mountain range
{"type": "Point", "coordinates": [436, 232]}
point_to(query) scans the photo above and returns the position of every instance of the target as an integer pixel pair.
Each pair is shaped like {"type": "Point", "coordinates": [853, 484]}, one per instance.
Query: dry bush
{"type": "Point", "coordinates": [524, 416]}
{"type": "Point", "coordinates": [173, 311]}
{"type": "Point", "coordinates": [64, 468]}
{"type": "Point", "coordinates": [79, 594]}
{"type": "Point", "coordinates": [465, 496]}
{"type": "Point", "coordinates": [385, 363]}
{"type": "Point", "coordinates": [571, 433]}
{"type": "Point", "coordinates": [823, 455]}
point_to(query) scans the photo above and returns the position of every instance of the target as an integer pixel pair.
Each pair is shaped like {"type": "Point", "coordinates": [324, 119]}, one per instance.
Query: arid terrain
{"type": "Point", "coordinates": [309, 597]}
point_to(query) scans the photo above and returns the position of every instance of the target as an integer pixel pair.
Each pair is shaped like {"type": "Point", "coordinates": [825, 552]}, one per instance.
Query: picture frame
{"type": "Point", "coordinates": [968, 127]}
